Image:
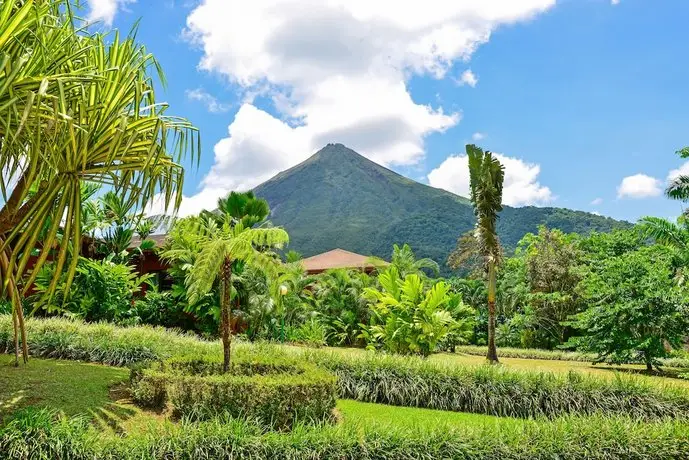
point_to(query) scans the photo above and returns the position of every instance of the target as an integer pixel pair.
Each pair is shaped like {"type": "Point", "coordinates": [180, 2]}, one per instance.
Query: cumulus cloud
{"type": "Point", "coordinates": [207, 99]}
{"type": "Point", "coordinates": [639, 186]}
{"type": "Point", "coordinates": [478, 136]}
{"type": "Point", "coordinates": [336, 72]}
{"type": "Point", "coordinates": [597, 201]}
{"type": "Point", "coordinates": [521, 187]}
{"type": "Point", "coordinates": [681, 171]}
{"type": "Point", "coordinates": [105, 10]}
{"type": "Point", "coordinates": [468, 78]}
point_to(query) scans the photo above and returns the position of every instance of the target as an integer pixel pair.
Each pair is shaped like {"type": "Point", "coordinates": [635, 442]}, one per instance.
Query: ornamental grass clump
{"type": "Point", "coordinates": [42, 435]}
{"type": "Point", "coordinates": [495, 390]}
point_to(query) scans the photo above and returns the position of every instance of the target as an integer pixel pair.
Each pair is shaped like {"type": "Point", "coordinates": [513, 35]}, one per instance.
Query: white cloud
{"type": "Point", "coordinates": [521, 185]}
{"type": "Point", "coordinates": [597, 201]}
{"type": "Point", "coordinates": [337, 72]}
{"type": "Point", "coordinates": [681, 171]}
{"type": "Point", "coordinates": [468, 78]}
{"type": "Point", "coordinates": [614, 2]}
{"type": "Point", "coordinates": [639, 186]}
{"type": "Point", "coordinates": [596, 213]}
{"type": "Point", "coordinates": [478, 136]}
{"type": "Point", "coordinates": [210, 101]}
{"type": "Point", "coordinates": [105, 10]}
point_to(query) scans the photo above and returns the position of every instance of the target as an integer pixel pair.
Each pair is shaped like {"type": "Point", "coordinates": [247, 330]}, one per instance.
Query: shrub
{"type": "Point", "coordinates": [272, 392]}
{"type": "Point", "coordinates": [570, 438]}
{"type": "Point", "coordinates": [495, 390]}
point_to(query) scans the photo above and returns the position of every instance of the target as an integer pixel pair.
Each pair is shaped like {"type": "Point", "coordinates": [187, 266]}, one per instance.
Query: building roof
{"type": "Point", "coordinates": [337, 258]}
{"type": "Point", "coordinates": [158, 239]}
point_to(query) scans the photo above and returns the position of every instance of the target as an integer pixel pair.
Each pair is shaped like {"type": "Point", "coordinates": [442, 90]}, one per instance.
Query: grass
{"type": "Point", "coordinates": [369, 415]}
{"type": "Point", "coordinates": [70, 387]}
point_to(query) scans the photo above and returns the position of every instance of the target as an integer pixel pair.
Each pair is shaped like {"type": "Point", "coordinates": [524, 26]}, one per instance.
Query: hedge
{"type": "Point", "coordinates": [559, 355]}
{"type": "Point", "coordinates": [393, 380]}
{"type": "Point", "coordinates": [496, 390]}
{"type": "Point", "coordinates": [37, 435]}
{"type": "Point", "coordinates": [275, 393]}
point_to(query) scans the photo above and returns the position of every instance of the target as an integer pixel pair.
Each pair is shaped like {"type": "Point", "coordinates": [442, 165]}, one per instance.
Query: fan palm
{"type": "Point", "coordinates": [221, 246]}
{"type": "Point", "coordinates": [74, 107]}
{"type": "Point", "coordinates": [486, 177]}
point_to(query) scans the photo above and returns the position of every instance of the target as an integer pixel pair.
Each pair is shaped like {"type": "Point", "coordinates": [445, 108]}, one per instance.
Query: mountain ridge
{"type": "Point", "coordinates": [338, 198]}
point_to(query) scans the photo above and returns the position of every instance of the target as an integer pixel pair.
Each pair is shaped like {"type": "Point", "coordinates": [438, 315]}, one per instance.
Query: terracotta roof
{"type": "Point", "coordinates": [337, 258]}
{"type": "Point", "coordinates": [159, 240]}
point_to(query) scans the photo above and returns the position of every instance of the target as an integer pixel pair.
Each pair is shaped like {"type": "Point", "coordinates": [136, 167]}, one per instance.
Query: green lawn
{"type": "Point", "coordinates": [68, 386]}
{"type": "Point", "coordinates": [371, 415]}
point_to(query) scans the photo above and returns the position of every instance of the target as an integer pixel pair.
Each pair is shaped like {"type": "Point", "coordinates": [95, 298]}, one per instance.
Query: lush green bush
{"type": "Point", "coordinates": [496, 390]}
{"type": "Point", "coordinates": [39, 436]}
{"type": "Point", "coordinates": [407, 318]}
{"type": "Point", "coordinates": [273, 392]}
{"type": "Point", "coordinates": [101, 291]}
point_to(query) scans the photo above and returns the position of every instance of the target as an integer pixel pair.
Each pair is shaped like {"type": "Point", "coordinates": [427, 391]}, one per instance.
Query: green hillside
{"type": "Point", "coordinates": [338, 198]}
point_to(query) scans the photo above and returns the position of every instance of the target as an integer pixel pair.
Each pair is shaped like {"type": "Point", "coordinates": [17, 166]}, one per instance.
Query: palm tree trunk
{"type": "Point", "coordinates": [492, 355]}
{"type": "Point", "coordinates": [226, 313]}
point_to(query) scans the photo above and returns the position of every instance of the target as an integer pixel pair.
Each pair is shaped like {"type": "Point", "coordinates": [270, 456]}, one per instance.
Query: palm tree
{"type": "Point", "coordinates": [486, 177]}
{"type": "Point", "coordinates": [671, 234]}
{"type": "Point", "coordinates": [218, 244]}
{"type": "Point", "coordinates": [406, 263]}
{"type": "Point", "coordinates": [679, 187]}
{"type": "Point", "coordinates": [221, 248]}
{"type": "Point", "coordinates": [75, 107]}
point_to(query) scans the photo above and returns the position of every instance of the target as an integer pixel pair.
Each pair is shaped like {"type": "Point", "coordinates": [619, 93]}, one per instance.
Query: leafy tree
{"type": "Point", "coordinates": [67, 117]}
{"type": "Point", "coordinates": [292, 256]}
{"type": "Point", "coordinates": [406, 318]}
{"type": "Point", "coordinates": [636, 308]}
{"type": "Point", "coordinates": [486, 177]}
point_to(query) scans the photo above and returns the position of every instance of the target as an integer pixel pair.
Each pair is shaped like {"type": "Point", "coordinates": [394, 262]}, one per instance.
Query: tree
{"type": "Point", "coordinates": [405, 261]}
{"type": "Point", "coordinates": [671, 234]}
{"type": "Point", "coordinates": [486, 177]}
{"type": "Point", "coordinates": [679, 187]}
{"type": "Point", "coordinates": [74, 107]}
{"type": "Point", "coordinates": [636, 308]}
{"type": "Point", "coordinates": [223, 242]}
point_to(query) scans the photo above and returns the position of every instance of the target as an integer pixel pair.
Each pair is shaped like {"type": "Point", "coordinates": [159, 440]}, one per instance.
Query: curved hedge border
{"type": "Point", "coordinates": [557, 355]}
{"type": "Point", "coordinates": [38, 435]}
{"type": "Point", "coordinates": [274, 393]}
{"type": "Point", "coordinates": [495, 390]}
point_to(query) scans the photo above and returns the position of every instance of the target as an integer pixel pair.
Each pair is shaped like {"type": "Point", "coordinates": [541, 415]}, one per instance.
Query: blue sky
{"type": "Point", "coordinates": [585, 100]}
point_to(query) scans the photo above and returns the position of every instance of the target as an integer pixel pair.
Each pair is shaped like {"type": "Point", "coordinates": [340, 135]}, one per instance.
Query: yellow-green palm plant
{"type": "Point", "coordinates": [486, 177]}
{"type": "Point", "coordinates": [221, 245]}
{"type": "Point", "coordinates": [74, 108]}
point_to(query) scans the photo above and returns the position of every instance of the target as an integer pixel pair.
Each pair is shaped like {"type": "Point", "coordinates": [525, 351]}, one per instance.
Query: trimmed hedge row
{"type": "Point", "coordinates": [272, 393]}
{"type": "Point", "coordinates": [558, 355]}
{"type": "Point", "coordinates": [392, 380]}
{"type": "Point", "coordinates": [495, 390]}
{"type": "Point", "coordinates": [38, 436]}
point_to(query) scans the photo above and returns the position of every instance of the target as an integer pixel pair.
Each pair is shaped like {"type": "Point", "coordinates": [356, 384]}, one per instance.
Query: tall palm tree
{"type": "Point", "coordinates": [671, 234]}
{"type": "Point", "coordinates": [75, 107]}
{"type": "Point", "coordinates": [406, 263]}
{"type": "Point", "coordinates": [486, 177]}
{"type": "Point", "coordinates": [679, 187]}
{"type": "Point", "coordinates": [222, 246]}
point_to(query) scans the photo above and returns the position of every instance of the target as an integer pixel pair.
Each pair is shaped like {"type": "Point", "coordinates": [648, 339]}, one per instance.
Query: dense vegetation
{"type": "Point", "coordinates": [338, 198]}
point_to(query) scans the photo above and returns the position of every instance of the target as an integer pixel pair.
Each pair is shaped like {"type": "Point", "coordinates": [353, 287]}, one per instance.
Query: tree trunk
{"type": "Point", "coordinates": [492, 355]}
{"type": "Point", "coordinates": [226, 313]}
